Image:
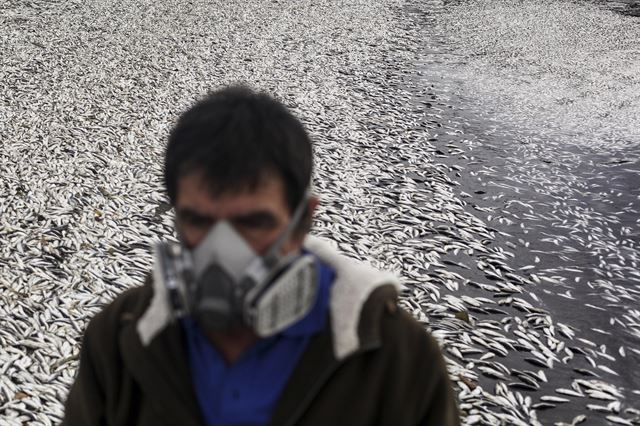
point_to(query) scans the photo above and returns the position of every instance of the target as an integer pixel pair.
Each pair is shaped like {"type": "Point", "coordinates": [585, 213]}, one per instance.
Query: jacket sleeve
{"type": "Point", "coordinates": [442, 408]}
{"type": "Point", "coordinates": [85, 403]}
{"type": "Point", "coordinates": [428, 378]}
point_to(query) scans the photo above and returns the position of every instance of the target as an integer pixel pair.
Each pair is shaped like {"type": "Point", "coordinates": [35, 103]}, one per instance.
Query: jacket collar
{"type": "Point", "coordinates": [354, 283]}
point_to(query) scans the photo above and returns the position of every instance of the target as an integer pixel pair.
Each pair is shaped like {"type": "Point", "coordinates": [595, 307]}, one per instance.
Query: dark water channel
{"type": "Point", "coordinates": [561, 192]}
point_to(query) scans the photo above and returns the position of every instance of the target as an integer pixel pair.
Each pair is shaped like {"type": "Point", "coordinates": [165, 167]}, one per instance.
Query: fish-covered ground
{"type": "Point", "coordinates": [486, 151]}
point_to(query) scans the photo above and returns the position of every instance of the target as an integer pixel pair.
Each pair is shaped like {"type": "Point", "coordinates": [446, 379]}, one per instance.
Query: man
{"type": "Point", "coordinates": [249, 320]}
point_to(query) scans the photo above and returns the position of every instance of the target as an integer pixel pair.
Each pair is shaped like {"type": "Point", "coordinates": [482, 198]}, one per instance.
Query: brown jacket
{"type": "Point", "coordinates": [394, 376]}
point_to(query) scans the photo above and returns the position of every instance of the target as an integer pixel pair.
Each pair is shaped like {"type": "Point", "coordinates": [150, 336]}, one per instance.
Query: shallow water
{"type": "Point", "coordinates": [545, 98]}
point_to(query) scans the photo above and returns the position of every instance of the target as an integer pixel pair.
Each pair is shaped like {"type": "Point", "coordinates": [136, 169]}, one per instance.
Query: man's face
{"type": "Point", "coordinates": [259, 216]}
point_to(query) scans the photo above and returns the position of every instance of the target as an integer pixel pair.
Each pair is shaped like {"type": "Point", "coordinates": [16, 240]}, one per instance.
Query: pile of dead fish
{"type": "Point", "coordinates": [90, 90]}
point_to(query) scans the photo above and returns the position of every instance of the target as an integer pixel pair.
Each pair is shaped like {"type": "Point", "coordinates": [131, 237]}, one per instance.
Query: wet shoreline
{"type": "Point", "coordinates": [549, 205]}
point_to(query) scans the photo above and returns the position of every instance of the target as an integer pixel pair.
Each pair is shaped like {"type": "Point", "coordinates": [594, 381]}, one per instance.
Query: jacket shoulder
{"type": "Point", "coordinates": [127, 306]}
{"type": "Point", "coordinates": [91, 396]}
{"type": "Point", "coordinates": [384, 322]}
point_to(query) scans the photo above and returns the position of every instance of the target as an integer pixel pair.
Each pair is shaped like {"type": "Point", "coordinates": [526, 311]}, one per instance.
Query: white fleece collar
{"type": "Point", "coordinates": [354, 283]}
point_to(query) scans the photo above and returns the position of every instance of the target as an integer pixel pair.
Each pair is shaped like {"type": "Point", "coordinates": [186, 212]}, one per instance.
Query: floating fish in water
{"type": "Point", "coordinates": [554, 399]}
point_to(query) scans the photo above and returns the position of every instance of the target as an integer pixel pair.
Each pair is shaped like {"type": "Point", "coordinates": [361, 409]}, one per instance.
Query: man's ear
{"type": "Point", "coordinates": [312, 205]}
{"type": "Point", "coordinates": [307, 218]}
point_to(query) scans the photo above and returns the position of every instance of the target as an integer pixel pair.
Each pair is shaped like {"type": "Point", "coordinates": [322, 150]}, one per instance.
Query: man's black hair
{"type": "Point", "coordinates": [235, 137]}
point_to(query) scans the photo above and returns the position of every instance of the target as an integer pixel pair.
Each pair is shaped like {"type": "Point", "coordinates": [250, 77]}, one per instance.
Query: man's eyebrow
{"type": "Point", "coordinates": [189, 212]}
{"type": "Point", "coordinates": [263, 216]}
{"type": "Point", "coordinates": [260, 216]}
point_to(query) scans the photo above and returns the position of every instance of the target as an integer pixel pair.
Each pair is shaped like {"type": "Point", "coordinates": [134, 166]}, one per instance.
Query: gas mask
{"type": "Point", "coordinates": [223, 283]}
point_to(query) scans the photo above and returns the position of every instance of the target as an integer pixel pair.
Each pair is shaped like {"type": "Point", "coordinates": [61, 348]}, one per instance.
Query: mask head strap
{"type": "Point", "coordinates": [272, 256]}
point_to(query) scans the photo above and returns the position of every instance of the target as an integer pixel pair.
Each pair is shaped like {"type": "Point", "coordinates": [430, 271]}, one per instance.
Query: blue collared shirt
{"type": "Point", "coordinates": [245, 393]}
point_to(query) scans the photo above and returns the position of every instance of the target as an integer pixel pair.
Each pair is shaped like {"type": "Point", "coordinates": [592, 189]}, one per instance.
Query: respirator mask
{"type": "Point", "coordinates": [223, 283]}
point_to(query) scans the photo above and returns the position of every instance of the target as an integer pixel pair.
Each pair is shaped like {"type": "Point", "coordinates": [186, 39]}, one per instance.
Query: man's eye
{"type": "Point", "coordinates": [201, 222]}
{"type": "Point", "coordinates": [258, 222]}
{"type": "Point", "coordinates": [197, 221]}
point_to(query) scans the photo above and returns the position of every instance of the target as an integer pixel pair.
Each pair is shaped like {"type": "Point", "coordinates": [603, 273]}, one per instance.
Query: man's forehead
{"type": "Point", "coordinates": [226, 211]}
{"type": "Point", "coordinates": [264, 181]}
{"type": "Point", "coordinates": [195, 193]}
